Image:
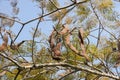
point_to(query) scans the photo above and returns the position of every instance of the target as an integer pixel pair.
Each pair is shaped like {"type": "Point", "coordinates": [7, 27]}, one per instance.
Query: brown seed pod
{"type": "Point", "coordinates": [3, 47]}
{"type": "Point", "coordinates": [55, 48]}
{"type": "Point", "coordinates": [83, 52]}
{"type": "Point", "coordinates": [64, 30]}
{"type": "Point", "coordinates": [67, 41]}
{"type": "Point", "coordinates": [80, 35]}
{"type": "Point", "coordinates": [51, 40]}
{"type": "Point", "coordinates": [118, 45]}
{"type": "Point", "coordinates": [5, 37]}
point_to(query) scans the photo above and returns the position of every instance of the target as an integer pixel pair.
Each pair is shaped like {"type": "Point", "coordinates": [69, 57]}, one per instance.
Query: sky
{"type": "Point", "coordinates": [29, 10]}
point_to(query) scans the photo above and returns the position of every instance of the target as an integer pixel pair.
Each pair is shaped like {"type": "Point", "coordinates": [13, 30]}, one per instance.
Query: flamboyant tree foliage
{"type": "Point", "coordinates": [83, 44]}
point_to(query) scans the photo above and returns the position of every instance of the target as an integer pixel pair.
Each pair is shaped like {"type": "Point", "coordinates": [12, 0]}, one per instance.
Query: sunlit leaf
{"type": "Point", "coordinates": [102, 4]}
{"type": "Point", "coordinates": [52, 5]}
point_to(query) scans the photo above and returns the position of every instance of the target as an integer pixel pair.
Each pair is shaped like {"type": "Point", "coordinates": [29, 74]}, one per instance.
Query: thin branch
{"type": "Point", "coordinates": [11, 19]}
{"type": "Point", "coordinates": [53, 4]}
{"type": "Point", "coordinates": [54, 11]}
{"type": "Point", "coordinates": [117, 72]}
{"type": "Point", "coordinates": [99, 35]}
{"type": "Point", "coordinates": [92, 67]}
{"type": "Point", "coordinates": [19, 33]}
{"type": "Point", "coordinates": [17, 74]}
{"type": "Point", "coordinates": [9, 58]}
{"type": "Point", "coordinates": [100, 23]}
{"type": "Point", "coordinates": [110, 33]}
{"type": "Point", "coordinates": [34, 39]}
{"type": "Point", "coordinates": [14, 46]}
{"type": "Point", "coordinates": [32, 76]}
{"type": "Point", "coordinates": [27, 74]}
{"type": "Point", "coordinates": [68, 74]}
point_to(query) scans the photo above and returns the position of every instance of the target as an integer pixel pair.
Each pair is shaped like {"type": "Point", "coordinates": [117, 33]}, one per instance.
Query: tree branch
{"type": "Point", "coordinates": [55, 11]}
{"type": "Point", "coordinates": [38, 66]}
{"type": "Point", "coordinates": [9, 58]}
{"type": "Point", "coordinates": [10, 19]}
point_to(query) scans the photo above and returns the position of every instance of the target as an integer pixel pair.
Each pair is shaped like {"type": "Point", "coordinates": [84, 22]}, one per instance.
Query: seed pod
{"type": "Point", "coordinates": [5, 38]}
{"type": "Point", "coordinates": [65, 29]}
{"type": "Point", "coordinates": [55, 48]}
{"type": "Point", "coordinates": [83, 52]}
{"type": "Point", "coordinates": [67, 41]}
{"type": "Point", "coordinates": [118, 45]}
{"type": "Point", "coordinates": [51, 40]}
{"type": "Point", "coordinates": [3, 47]}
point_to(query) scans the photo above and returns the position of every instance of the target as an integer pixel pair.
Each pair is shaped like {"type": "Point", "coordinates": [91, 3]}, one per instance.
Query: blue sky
{"type": "Point", "coordinates": [29, 10]}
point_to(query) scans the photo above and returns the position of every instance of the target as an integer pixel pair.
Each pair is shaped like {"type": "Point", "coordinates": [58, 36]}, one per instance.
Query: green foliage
{"type": "Point", "coordinates": [98, 19]}
{"type": "Point", "coordinates": [104, 4]}
{"type": "Point", "coordinates": [11, 76]}
{"type": "Point", "coordinates": [82, 10]}
{"type": "Point", "coordinates": [71, 77]}
{"type": "Point", "coordinates": [52, 5]}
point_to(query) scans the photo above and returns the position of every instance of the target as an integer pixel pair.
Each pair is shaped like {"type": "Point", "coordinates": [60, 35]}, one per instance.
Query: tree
{"type": "Point", "coordinates": [83, 44]}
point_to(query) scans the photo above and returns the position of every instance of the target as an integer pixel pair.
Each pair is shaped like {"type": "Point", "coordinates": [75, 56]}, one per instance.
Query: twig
{"type": "Point", "coordinates": [11, 19]}
{"type": "Point", "coordinates": [100, 23]}
{"type": "Point", "coordinates": [9, 58]}
{"type": "Point", "coordinates": [68, 74]}
{"type": "Point", "coordinates": [19, 33]}
{"type": "Point", "coordinates": [54, 11]}
{"type": "Point", "coordinates": [17, 74]}
{"type": "Point", "coordinates": [34, 40]}
{"type": "Point", "coordinates": [53, 4]}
